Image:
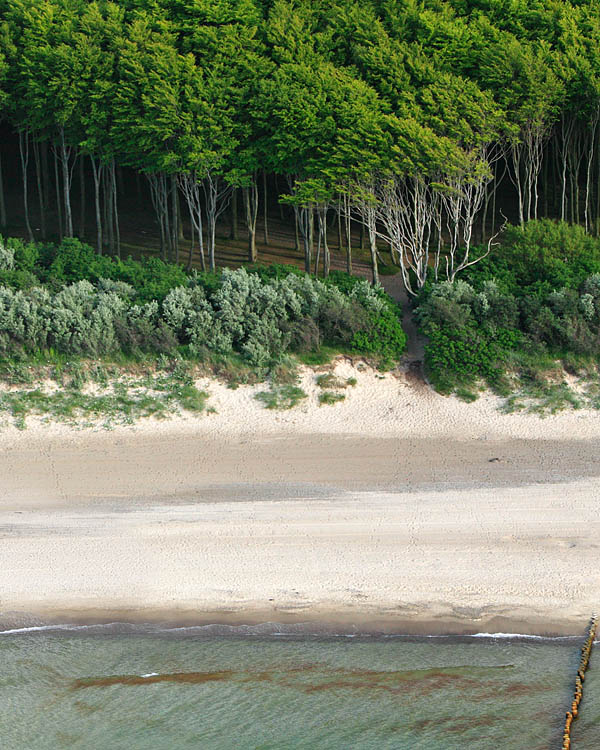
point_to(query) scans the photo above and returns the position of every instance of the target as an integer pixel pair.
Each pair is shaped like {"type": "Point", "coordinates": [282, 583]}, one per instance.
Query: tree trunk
{"type": "Point", "coordinates": [97, 174]}
{"type": "Point", "coordinates": [108, 210]}
{"type": "Point", "coordinates": [2, 202]}
{"type": "Point", "coordinates": [278, 195]}
{"type": "Point", "coordinates": [373, 249]}
{"type": "Point", "coordinates": [65, 152]}
{"type": "Point", "coordinates": [485, 213]}
{"type": "Point", "coordinates": [323, 232]}
{"type": "Point", "coordinates": [588, 176]}
{"type": "Point", "coordinates": [233, 232]}
{"type": "Point", "coordinates": [348, 231]}
{"type": "Point", "coordinates": [167, 223]}
{"type": "Point", "coordinates": [45, 173]}
{"type": "Point", "coordinates": [191, 250]}
{"type": "Point", "coordinates": [217, 193]}
{"type": "Point", "coordinates": [598, 192]}
{"type": "Point", "coordinates": [319, 238]}
{"type": "Point", "coordinates": [159, 197]}
{"type": "Point", "coordinates": [175, 214]}
{"type": "Point", "coordinates": [58, 198]}
{"type": "Point", "coordinates": [306, 223]}
{"type": "Point", "coordinates": [545, 188]}
{"type": "Point", "coordinates": [81, 197]}
{"type": "Point", "coordinates": [265, 207]}
{"type": "Point", "coordinates": [38, 175]}
{"type": "Point", "coordinates": [24, 154]}
{"type": "Point", "coordinates": [180, 233]}
{"type": "Point", "coordinates": [494, 190]}
{"type": "Point", "coordinates": [251, 209]}
{"type": "Point", "coordinates": [117, 231]}
{"type": "Point", "coordinates": [191, 192]}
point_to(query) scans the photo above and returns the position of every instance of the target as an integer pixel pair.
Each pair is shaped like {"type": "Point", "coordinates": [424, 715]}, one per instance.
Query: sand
{"type": "Point", "coordinates": [397, 510]}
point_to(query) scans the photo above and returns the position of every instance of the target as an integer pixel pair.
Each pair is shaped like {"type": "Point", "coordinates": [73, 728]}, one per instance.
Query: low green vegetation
{"type": "Point", "coordinates": [330, 398]}
{"type": "Point", "coordinates": [330, 380]}
{"type": "Point", "coordinates": [281, 397]}
{"type": "Point", "coordinates": [64, 311]}
{"type": "Point", "coordinates": [520, 321]}
{"type": "Point", "coordinates": [86, 394]}
{"type": "Point", "coordinates": [66, 299]}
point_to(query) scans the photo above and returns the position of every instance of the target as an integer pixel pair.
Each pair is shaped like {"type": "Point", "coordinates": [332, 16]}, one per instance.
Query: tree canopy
{"type": "Point", "coordinates": [430, 95]}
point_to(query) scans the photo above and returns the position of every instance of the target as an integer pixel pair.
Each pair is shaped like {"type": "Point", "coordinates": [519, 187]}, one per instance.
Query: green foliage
{"type": "Point", "coordinates": [95, 305]}
{"type": "Point", "coordinates": [281, 397]}
{"type": "Point", "coordinates": [539, 257]}
{"type": "Point", "coordinates": [329, 380]}
{"type": "Point", "coordinates": [542, 306]}
{"type": "Point", "coordinates": [117, 398]}
{"type": "Point", "coordinates": [330, 397]}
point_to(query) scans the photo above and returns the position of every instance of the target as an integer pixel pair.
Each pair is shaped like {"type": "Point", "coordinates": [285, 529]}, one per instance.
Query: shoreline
{"type": "Point", "coordinates": [262, 622]}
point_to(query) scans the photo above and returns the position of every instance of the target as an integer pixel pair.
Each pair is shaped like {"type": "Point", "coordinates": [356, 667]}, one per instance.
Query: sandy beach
{"type": "Point", "coordinates": [396, 510]}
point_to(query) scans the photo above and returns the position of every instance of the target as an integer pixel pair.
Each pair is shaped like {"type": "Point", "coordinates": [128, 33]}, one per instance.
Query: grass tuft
{"type": "Point", "coordinates": [281, 397]}
{"type": "Point", "coordinates": [330, 398]}
{"type": "Point", "coordinates": [329, 380]}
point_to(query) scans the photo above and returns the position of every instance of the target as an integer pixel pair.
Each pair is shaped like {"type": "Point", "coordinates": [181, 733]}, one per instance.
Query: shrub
{"type": "Point", "coordinates": [7, 256]}
{"type": "Point", "coordinates": [235, 312]}
{"type": "Point", "coordinates": [539, 257]}
{"type": "Point", "coordinates": [469, 334]}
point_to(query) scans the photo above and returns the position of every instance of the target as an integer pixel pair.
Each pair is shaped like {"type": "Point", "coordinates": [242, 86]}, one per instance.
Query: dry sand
{"type": "Point", "coordinates": [397, 509]}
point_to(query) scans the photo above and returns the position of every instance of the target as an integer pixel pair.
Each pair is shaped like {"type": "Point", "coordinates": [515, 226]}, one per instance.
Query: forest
{"type": "Point", "coordinates": [424, 132]}
{"type": "Point", "coordinates": [421, 122]}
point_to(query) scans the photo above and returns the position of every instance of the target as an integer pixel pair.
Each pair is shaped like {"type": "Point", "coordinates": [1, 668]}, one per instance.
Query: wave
{"type": "Point", "coordinates": [61, 626]}
{"type": "Point", "coordinates": [526, 636]}
{"type": "Point", "coordinates": [266, 629]}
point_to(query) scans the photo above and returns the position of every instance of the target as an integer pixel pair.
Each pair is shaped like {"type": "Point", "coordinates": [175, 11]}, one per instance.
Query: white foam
{"type": "Point", "coordinates": [65, 626]}
{"type": "Point", "coordinates": [269, 629]}
{"type": "Point", "coordinates": [150, 674]}
{"type": "Point", "coordinates": [527, 636]}
{"type": "Point", "coordinates": [35, 628]}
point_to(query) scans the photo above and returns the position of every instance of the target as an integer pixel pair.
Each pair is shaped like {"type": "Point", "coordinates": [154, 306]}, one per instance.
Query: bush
{"type": "Point", "coordinates": [472, 334]}
{"type": "Point", "coordinates": [156, 307]}
{"type": "Point", "coordinates": [7, 256]}
{"type": "Point", "coordinates": [539, 257]}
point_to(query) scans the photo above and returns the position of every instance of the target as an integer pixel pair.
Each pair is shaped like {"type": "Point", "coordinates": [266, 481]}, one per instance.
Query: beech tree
{"type": "Point", "coordinates": [148, 119]}
{"type": "Point", "coordinates": [403, 119]}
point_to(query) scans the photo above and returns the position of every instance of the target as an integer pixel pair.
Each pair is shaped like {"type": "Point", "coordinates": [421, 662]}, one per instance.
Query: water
{"type": "Point", "coordinates": [106, 688]}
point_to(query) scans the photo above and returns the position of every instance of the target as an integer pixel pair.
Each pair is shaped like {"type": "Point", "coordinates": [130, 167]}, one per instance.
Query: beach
{"type": "Point", "coordinates": [397, 510]}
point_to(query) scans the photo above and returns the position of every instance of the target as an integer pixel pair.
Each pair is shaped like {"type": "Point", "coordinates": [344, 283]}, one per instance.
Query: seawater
{"type": "Point", "coordinates": [127, 688]}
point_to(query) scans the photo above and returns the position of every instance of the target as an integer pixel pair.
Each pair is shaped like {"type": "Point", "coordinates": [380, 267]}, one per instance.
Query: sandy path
{"type": "Point", "coordinates": [479, 525]}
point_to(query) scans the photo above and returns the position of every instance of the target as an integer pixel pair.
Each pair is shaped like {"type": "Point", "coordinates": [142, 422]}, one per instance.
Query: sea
{"type": "Point", "coordinates": [121, 687]}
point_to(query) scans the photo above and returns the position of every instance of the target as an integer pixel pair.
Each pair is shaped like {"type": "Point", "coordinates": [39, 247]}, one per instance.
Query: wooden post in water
{"type": "Point", "coordinates": [586, 652]}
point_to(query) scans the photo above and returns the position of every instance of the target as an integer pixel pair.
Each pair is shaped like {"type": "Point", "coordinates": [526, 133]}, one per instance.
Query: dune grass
{"type": "Point", "coordinates": [281, 397]}
{"type": "Point", "coordinates": [86, 394]}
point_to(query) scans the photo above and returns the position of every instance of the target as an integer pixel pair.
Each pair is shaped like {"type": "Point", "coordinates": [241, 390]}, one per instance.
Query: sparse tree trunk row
{"type": "Point", "coordinates": [554, 172]}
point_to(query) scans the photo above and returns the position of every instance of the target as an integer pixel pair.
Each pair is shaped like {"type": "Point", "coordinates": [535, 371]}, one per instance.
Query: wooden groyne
{"type": "Point", "coordinates": [586, 652]}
